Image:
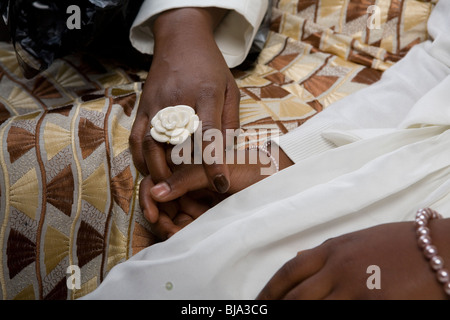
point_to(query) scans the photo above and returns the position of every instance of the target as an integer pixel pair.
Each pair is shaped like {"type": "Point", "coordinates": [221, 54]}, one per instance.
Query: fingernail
{"type": "Point", "coordinates": [161, 189]}
{"type": "Point", "coordinates": [221, 183]}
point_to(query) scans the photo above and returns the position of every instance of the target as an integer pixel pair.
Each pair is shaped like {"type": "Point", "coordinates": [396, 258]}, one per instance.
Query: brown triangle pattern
{"type": "Point", "coordinates": [275, 23]}
{"type": "Point", "coordinates": [273, 92]}
{"type": "Point", "coordinates": [64, 111]}
{"type": "Point", "coordinates": [313, 39]}
{"type": "Point", "coordinates": [305, 4]}
{"type": "Point", "coordinates": [44, 89]}
{"type": "Point", "coordinates": [316, 105]}
{"type": "Point", "coordinates": [319, 84]}
{"type": "Point", "coordinates": [59, 292]}
{"type": "Point", "coordinates": [142, 238]}
{"type": "Point", "coordinates": [278, 78]}
{"type": "Point", "coordinates": [4, 113]}
{"type": "Point", "coordinates": [127, 102]}
{"type": "Point", "coordinates": [122, 189]}
{"type": "Point", "coordinates": [91, 96]}
{"type": "Point", "coordinates": [20, 252]}
{"type": "Point", "coordinates": [60, 191]}
{"type": "Point", "coordinates": [89, 243]}
{"type": "Point", "coordinates": [19, 142]}
{"type": "Point", "coordinates": [90, 135]}
{"type": "Point", "coordinates": [395, 9]}
{"type": "Point", "coordinates": [282, 61]}
{"type": "Point", "coordinates": [357, 9]}
{"type": "Point", "coordinates": [367, 76]}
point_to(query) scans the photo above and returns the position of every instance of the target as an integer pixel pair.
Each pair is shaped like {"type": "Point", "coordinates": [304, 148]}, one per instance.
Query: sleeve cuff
{"type": "Point", "coordinates": [301, 144]}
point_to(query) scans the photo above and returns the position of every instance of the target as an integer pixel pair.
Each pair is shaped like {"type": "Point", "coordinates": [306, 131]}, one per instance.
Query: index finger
{"type": "Point", "coordinates": [213, 142]}
{"type": "Point", "coordinates": [154, 154]}
{"type": "Point", "coordinates": [293, 272]}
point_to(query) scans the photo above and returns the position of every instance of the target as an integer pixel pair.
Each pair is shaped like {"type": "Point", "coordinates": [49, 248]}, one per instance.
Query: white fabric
{"type": "Point", "coordinates": [234, 35]}
{"type": "Point", "coordinates": [393, 159]}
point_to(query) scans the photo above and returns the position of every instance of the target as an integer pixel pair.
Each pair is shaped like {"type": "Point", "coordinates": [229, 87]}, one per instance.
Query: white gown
{"type": "Point", "coordinates": [374, 157]}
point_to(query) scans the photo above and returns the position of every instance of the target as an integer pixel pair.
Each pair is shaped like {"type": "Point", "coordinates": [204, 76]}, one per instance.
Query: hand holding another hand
{"type": "Point", "coordinates": [187, 193]}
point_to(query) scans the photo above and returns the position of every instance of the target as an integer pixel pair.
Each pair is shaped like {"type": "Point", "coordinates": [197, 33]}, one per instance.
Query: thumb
{"type": "Point", "coordinates": [188, 178]}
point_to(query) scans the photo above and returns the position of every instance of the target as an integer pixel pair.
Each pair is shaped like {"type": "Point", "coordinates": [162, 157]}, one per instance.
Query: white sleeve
{"type": "Point", "coordinates": [234, 36]}
{"type": "Point", "coordinates": [386, 104]}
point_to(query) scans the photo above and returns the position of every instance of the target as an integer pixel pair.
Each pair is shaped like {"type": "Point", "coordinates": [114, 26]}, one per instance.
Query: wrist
{"type": "Point", "coordinates": [187, 22]}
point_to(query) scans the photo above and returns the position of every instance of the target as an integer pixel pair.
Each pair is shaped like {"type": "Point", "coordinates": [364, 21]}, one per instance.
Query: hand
{"type": "Point", "coordinates": [187, 68]}
{"type": "Point", "coordinates": [337, 268]}
{"type": "Point", "coordinates": [190, 182]}
{"type": "Point", "coordinates": [167, 220]}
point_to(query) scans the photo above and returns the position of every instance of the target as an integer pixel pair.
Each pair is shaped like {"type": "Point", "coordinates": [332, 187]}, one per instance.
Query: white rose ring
{"type": "Point", "coordinates": [174, 124]}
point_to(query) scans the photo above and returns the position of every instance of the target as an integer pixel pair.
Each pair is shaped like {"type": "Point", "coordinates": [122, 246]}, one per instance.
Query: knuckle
{"type": "Point", "coordinates": [174, 96]}
{"type": "Point", "coordinates": [232, 124]}
{"type": "Point", "coordinates": [289, 269]}
{"type": "Point", "coordinates": [148, 144]}
{"type": "Point", "coordinates": [208, 91]}
{"type": "Point", "coordinates": [208, 125]}
{"type": "Point", "coordinates": [134, 138]}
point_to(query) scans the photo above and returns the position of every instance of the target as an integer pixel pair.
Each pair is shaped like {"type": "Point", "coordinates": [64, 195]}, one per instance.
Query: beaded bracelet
{"type": "Point", "coordinates": [265, 148]}
{"type": "Point", "coordinates": [429, 250]}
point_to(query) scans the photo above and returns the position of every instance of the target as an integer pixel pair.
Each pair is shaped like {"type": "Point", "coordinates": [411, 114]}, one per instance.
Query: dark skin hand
{"type": "Point", "coordinates": [188, 68]}
{"type": "Point", "coordinates": [337, 269]}
{"type": "Point", "coordinates": [190, 193]}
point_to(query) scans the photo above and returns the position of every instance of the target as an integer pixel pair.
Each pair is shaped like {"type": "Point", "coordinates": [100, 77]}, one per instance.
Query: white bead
{"type": "Point", "coordinates": [423, 231]}
{"type": "Point", "coordinates": [430, 251]}
{"type": "Point", "coordinates": [443, 276]}
{"type": "Point", "coordinates": [437, 262]}
{"type": "Point", "coordinates": [420, 222]}
{"type": "Point", "coordinates": [424, 241]}
{"type": "Point", "coordinates": [447, 288]}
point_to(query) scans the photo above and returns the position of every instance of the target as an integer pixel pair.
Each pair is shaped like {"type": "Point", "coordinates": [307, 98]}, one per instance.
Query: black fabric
{"type": "Point", "coordinates": [39, 31]}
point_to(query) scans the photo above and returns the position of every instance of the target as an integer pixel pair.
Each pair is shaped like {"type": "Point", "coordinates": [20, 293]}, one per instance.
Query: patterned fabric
{"type": "Point", "coordinates": [319, 51]}
{"type": "Point", "coordinates": [68, 186]}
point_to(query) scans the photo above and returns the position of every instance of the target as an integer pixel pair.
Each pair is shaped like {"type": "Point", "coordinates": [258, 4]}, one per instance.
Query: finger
{"type": "Point", "coordinates": [146, 202]}
{"type": "Point", "coordinates": [164, 228]}
{"type": "Point", "coordinates": [207, 197]}
{"type": "Point", "coordinates": [182, 220]}
{"type": "Point", "coordinates": [209, 110]}
{"type": "Point", "coordinates": [188, 178]}
{"type": "Point", "coordinates": [230, 113]}
{"type": "Point", "coordinates": [140, 126]}
{"type": "Point", "coordinates": [337, 295]}
{"type": "Point", "coordinates": [316, 287]}
{"type": "Point", "coordinates": [155, 158]}
{"type": "Point", "coordinates": [191, 207]}
{"type": "Point", "coordinates": [291, 274]}
{"type": "Point", "coordinates": [171, 208]}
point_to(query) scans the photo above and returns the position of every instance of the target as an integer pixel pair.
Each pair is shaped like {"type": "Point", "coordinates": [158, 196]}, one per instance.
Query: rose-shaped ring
{"type": "Point", "coordinates": [174, 124]}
